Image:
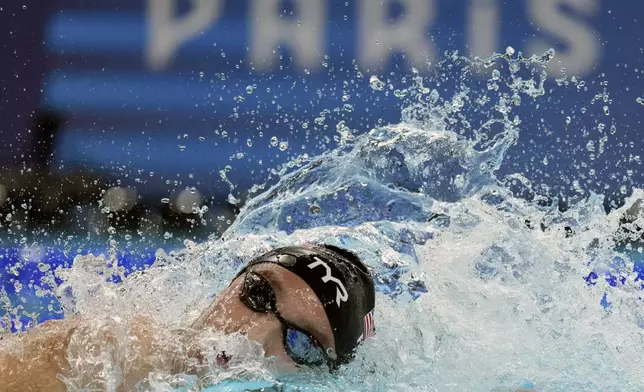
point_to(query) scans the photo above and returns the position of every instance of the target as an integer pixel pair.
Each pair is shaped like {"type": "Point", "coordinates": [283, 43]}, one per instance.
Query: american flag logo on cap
{"type": "Point", "coordinates": [369, 326]}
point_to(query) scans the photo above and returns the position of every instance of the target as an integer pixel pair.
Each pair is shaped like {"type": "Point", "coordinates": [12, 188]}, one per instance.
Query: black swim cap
{"type": "Point", "coordinates": [341, 282]}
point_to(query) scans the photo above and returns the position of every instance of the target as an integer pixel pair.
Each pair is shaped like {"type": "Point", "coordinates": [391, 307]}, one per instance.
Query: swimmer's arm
{"type": "Point", "coordinates": [38, 358]}
{"type": "Point", "coordinates": [43, 356]}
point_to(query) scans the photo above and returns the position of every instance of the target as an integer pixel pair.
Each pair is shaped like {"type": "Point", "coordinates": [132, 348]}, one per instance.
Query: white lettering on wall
{"type": "Point", "coordinates": [483, 20]}
{"type": "Point", "coordinates": [379, 38]}
{"type": "Point", "coordinates": [583, 48]}
{"type": "Point", "coordinates": [303, 33]}
{"type": "Point", "coordinates": [167, 32]}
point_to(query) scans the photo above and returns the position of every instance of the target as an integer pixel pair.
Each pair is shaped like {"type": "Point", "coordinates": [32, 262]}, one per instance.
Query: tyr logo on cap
{"type": "Point", "coordinates": [342, 295]}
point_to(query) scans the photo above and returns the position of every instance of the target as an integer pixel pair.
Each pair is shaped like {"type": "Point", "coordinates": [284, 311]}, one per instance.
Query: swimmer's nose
{"type": "Point", "coordinates": [264, 328]}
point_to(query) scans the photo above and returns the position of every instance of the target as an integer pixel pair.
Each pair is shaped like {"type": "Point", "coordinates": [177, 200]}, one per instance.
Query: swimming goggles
{"type": "Point", "coordinates": [258, 295]}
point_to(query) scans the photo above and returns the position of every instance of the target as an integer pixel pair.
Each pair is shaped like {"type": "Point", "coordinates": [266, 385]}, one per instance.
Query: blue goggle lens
{"type": "Point", "coordinates": [303, 348]}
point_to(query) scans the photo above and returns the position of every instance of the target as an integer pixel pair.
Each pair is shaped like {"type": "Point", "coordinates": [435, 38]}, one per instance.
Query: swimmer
{"type": "Point", "coordinates": [305, 305]}
{"type": "Point", "coordinates": [308, 305]}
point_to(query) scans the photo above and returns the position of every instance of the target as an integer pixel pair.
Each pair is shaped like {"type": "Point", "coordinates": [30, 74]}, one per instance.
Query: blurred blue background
{"type": "Point", "coordinates": [134, 115]}
{"type": "Point", "coordinates": [154, 86]}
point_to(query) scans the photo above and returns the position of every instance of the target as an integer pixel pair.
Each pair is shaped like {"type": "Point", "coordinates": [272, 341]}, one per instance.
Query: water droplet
{"type": "Point", "coordinates": [606, 110]}
{"type": "Point", "coordinates": [347, 107]}
{"type": "Point", "coordinates": [274, 141]}
{"type": "Point", "coordinates": [232, 199]}
{"type": "Point", "coordinates": [314, 209]}
{"type": "Point", "coordinates": [376, 84]}
{"type": "Point", "coordinates": [283, 146]}
{"type": "Point", "coordinates": [249, 89]}
{"type": "Point", "coordinates": [516, 120]}
{"type": "Point", "coordinates": [568, 119]}
{"type": "Point", "coordinates": [400, 93]}
{"type": "Point", "coordinates": [509, 51]}
{"type": "Point", "coordinates": [167, 235]}
{"type": "Point", "coordinates": [111, 230]}
{"type": "Point", "coordinates": [182, 147]}
{"type": "Point", "coordinates": [24, 7]}
{"type": "Point", "coordinates": [289, 219]}
{"type": "Point", "coordinates": [249, 143]}
{"type": "Point", "coordinates": [202, 138]}
{"type": "Point", "coordinates": [496, 74]}
{"type": "Point", "coordinates": [165, 200]}
{"type": "Point", "coordinates": [640, 100]}
{"type": "Point", "coordinates": [433, 96]}
{"type": "Point", "coordinates": [201, 74]}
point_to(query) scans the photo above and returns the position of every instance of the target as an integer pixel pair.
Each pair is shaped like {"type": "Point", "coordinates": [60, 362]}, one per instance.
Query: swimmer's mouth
{"type": "Point", "coordinates": [222, 359]}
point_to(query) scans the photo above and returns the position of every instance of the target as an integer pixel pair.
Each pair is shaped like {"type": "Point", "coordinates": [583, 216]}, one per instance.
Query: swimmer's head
{"type": "Point", "coordinates": [305, 304]}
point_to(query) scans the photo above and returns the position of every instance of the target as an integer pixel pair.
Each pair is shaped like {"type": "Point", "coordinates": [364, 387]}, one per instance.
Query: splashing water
{"type": "Point", "coordinates": [479, 290]}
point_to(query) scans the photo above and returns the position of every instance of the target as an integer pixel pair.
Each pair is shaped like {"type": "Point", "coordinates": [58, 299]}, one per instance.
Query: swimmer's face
{"type": "Point", "coordinates": [296, 302]}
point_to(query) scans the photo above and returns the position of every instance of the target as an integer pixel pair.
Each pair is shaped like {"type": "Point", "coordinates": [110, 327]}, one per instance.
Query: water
{"type": "Point", "coordinates": [482, 281]}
